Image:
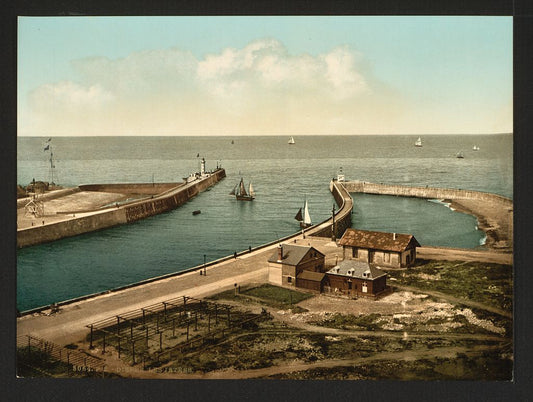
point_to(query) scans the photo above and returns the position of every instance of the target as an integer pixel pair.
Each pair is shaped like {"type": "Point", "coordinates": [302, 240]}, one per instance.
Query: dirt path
{"type": "Point", "coordinates": [457, 300]}
{"type": "Point", "coordinates": [450, 352]}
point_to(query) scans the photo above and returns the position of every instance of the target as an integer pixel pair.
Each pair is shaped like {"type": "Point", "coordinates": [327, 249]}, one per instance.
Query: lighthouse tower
{"type": "Point", "coordinates": [202, 167]}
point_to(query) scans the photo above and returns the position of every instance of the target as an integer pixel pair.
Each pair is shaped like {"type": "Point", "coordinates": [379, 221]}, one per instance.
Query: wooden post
{"type": "Point", "coordinates": [118, 325]}
{"type": "Point", "coordinates": [103, 349]}
{"type": "Point", "coordinates": [144, 317]}
{"type": "Point", "coordinates": [161, 341]}
{"type": "Point", "coordinates": [91, 340]}
{"type": "Point", "coordinates": [184, 303]}
{"type": "Point", "coordinates": [173, 327]}
{"type": "Point", "coordinates": [131, 330]}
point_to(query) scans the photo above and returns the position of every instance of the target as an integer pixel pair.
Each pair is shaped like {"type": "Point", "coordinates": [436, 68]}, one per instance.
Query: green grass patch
{"type": "Point", "coordinates": [270, 295]}
{"type": "Point", "coordinates": [487, 283]}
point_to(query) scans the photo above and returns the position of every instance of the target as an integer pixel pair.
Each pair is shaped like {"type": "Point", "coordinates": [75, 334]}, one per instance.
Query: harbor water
{"type": "Point", "coordinates": [283, 176]}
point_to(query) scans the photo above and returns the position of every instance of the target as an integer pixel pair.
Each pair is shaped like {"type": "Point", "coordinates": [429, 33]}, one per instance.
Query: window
{"type": "Point", "coordinates": [386, 257]}
{"type": "Point", "coordinates": [289, 279]}
{"type": "Point", "coordinates": [354, 252]}
{"type": "Point", "coordinates": [349, 284]}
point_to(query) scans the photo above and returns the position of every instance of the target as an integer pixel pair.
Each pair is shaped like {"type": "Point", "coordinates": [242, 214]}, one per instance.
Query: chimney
{"type": "Point", "coordinates": [280, 252]}
{"type": "Point", "coordinates": [394, 236]}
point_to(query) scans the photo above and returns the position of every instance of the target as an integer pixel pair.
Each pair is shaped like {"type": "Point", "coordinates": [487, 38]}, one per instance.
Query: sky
{"type": "Point", "coordinates": [345, 75]}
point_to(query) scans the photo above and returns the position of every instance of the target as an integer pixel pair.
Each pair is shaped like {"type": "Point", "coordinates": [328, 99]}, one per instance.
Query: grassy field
{"type": "Point", "coordinates": [491, 284]}
{"type": "Point", "coordinates": [273, 296]}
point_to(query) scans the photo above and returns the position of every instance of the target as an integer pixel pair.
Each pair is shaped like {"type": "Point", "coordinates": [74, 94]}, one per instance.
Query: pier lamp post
{"type": "Point", "coordinates": [205, 270]}
{"type": "Point", "coordinates": [333, 223]}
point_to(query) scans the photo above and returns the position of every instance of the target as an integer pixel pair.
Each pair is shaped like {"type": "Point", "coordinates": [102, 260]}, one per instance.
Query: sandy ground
{"type": "Point", "coordinates": [494, 218]}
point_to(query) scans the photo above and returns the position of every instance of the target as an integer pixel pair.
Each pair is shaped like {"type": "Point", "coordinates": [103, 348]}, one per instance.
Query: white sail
{"type": "Point", "coordinates": [307, 217]}
{"type": "Point", "coordinates": [251, 190]}
{"type": "Point", "coordinates": [291, 140]}
{"type": "Point", "coordinates": [418, 142]}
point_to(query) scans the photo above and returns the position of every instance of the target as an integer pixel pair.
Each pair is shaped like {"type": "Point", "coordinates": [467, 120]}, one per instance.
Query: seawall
{"type": "Point", "coordinates": [343, 216]}
{"type": "Point", "coordinates": [424, 192]}
{"type": "Point", "coordinates": [91, 221]}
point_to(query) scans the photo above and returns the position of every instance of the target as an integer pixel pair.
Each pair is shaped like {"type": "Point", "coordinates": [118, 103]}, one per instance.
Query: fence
{"type": "Point", "coordinates": [33, 349]}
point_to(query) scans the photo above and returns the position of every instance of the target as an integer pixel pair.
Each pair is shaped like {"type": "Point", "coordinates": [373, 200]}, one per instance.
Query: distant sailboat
{"type": "Point", "coordinates": [239, 191]}
{"type": "Point", "coordinates": [475, 148]}
{"type": "Point", "coordinates": [304, 218]}
{"type": "Point", "coordinates": [291, 140]}
{"type": "Point", "coordinates": [418, 142]}
{"type": "Point", "coordinates": [460, 155]}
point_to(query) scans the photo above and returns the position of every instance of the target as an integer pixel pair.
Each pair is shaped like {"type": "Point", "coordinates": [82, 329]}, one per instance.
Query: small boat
{"type": "Point", "coordinates": [418, 142]}
{"type": "Point", "coordinates": [304, 218]}
{"type": "Point", "coordinates": [475, 148]}
{"type": "Point", "coordinates": [197, 212]}
{"type": "Point", "coordinates": [239, 191]}
{"type": "Point", "coordinates": [291, 140]}
{"type": "Point", "coordinates": [460, 155]}
{"type": "Point", "coordinates": [232, 142]}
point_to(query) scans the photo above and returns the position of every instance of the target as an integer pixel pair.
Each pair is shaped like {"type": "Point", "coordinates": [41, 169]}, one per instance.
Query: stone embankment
{"type": "Point", "coordinates": [343, 215]}
{"type": "Point", "coordinates": [61, 225]}
{"type": "Point", "coordinates": [493, 212]}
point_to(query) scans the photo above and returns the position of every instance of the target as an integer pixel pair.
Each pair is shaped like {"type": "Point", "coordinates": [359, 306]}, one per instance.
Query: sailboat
{"type": "Point", "coordinates": [460, 155]}
{"type": "Point", "coordinates": [239, 191]}
{"type": "Point", "coordinates": [304, 218]}
{"type": "Point", "coordinates": [418, 142]}
{"type": "Point", "coordinates": [291, 140]}
{"type": "Point", "coordinates": [475, 148]}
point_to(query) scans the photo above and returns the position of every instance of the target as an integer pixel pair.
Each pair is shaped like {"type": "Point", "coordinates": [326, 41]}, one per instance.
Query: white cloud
{"type": "Point", "coordinates": [260, 89]}
{"type": "Point", "coordinates": [69, 95]}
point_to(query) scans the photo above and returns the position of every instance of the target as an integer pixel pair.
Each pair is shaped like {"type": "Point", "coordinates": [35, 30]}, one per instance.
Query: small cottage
{"type": "Point", "coordinates": [356, 278]}
{"type": "Point", "coordinates": [289, 260]}
{"type": "Point", "coordinates": [386, 249]}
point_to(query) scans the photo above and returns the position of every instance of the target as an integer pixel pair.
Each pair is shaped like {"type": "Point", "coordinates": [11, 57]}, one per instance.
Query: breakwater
{"type": "Point", "coordinates": [424, 192]}
{"type": "Point", "coordinates": [89, 221]}
{"type": "Point", "coordinates": [343, 215]}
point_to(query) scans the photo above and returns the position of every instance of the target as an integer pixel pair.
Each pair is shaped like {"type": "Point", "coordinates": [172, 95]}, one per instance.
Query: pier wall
{"type": "Point", "coordinates": [115, 216]}
{"type": "Point", "coordinates": [170, 200]}
{"type": "Point", "coordinates": [136, 188]}
{"type": "Point", "coordinates": [424, 192]}
{"type": "Point", "coordinates": [72, 227]}
{"type": "Point", "coordinates": [343, 216]}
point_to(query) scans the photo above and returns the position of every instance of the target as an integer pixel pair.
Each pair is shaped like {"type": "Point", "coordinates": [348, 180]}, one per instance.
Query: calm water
{"type": "Point", "coordinates": [282, 175]}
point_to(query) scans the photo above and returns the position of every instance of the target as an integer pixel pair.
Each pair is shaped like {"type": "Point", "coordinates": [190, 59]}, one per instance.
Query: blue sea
{"type": "Point", "coordinates": [282, 175]}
